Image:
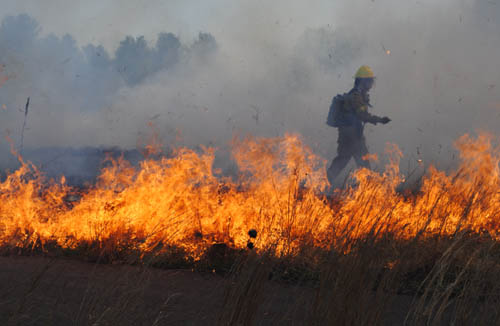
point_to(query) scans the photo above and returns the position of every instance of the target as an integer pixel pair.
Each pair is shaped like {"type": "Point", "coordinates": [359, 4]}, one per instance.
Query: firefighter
{"type": "Point", "coordinates": [351, 141]}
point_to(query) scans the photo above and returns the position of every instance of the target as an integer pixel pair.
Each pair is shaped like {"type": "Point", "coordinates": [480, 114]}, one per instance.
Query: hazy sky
{"type": "Point", "coordinates": [277, 66]}
{"type": "Point", "coordinates": [256, 22]}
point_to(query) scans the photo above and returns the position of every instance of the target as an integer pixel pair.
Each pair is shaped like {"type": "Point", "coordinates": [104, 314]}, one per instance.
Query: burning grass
{"type": "Point", "coordinates": [181, 202]}
{"type": "Point", "coordinates": [357, 252]}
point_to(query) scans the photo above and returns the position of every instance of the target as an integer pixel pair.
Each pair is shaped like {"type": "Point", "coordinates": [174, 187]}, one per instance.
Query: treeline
{"type": "Point", "coordinates": [53, 65]}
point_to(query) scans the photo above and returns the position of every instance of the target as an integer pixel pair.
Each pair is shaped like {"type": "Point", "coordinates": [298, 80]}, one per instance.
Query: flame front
{"type": "Point", "coordinates": [180, 201]}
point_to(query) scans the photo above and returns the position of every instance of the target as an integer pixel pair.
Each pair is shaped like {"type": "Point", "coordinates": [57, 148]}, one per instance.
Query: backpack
{"type": "Point", "coordinates": [339, 115]}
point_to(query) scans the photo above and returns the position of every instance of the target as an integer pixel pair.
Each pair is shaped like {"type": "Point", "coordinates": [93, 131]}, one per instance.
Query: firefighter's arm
{"type": "Point", "coordinates": [361, 110]}
{"type": "Point", "coordinates": [363, 115]}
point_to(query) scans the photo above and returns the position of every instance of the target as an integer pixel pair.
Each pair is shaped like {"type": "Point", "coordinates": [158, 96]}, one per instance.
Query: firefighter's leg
{"type": "Point", "coordinates": [339, 162]}
{"type": "Point", "coordinates": [360, 151]}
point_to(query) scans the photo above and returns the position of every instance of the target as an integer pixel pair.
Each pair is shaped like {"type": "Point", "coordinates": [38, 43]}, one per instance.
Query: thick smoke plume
{"type": "Point", "coordinates": [264, 71]}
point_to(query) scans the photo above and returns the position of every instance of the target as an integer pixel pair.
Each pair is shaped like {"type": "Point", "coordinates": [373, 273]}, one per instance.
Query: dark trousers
{"type": "Point", "coordinates": [351, 143]}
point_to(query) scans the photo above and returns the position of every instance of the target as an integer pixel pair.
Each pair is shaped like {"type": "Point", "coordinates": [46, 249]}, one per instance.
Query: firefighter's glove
{"type": "Point", "coordinates": [385, 120]}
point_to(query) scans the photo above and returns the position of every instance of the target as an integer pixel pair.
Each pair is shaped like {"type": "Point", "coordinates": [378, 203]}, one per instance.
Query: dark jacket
{"type": "Point", "coordinates": [358, 103]}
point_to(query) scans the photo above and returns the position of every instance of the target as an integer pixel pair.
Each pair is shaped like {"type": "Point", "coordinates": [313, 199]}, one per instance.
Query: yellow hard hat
{"type": "Point", "coordinates": [365, 72]}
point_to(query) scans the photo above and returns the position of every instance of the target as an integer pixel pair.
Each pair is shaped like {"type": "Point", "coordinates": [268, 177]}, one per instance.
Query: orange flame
{"type": "Point", "coordinates": [180, 201]}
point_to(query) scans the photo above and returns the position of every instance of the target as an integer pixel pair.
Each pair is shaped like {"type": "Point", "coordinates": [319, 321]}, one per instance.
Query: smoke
{"type": "Point", "coordinates": [265, 71]}
{"type": "Point", "coordinates": [438, 82]}
{"type": "Point", "coordinates": [73, 88]}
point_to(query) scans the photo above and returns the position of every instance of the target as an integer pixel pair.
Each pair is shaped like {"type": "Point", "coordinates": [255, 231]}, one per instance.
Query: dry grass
{"type": "Point", "coordinates": [371, 256]}
{"type": "Point", "coordinates": [375, 279]}
{"type": "Point", "coordinates": [442, 280]}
